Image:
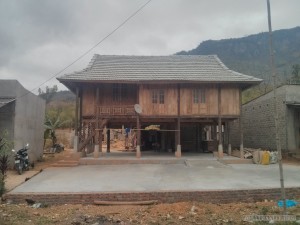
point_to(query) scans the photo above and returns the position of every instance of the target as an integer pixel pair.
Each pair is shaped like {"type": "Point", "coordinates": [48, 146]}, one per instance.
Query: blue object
{"type": "Point", "coordinates": [288, 203]}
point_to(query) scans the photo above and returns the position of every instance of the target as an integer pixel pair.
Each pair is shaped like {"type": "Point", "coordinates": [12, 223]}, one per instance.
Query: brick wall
{"type": "Point", "coordinates": [221, 196]}
{"type": "Point", "coordinates": [259, 124]}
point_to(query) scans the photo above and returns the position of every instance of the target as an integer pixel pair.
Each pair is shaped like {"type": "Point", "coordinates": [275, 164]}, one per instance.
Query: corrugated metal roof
{"type": "Point", "coordinates": [185, 68]}
{"type": "Point", "coordinates": [4, 101]}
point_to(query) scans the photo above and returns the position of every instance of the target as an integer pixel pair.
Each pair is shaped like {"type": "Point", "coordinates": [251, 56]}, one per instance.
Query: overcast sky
{"type": "Point", "coordinates": [38, 38]}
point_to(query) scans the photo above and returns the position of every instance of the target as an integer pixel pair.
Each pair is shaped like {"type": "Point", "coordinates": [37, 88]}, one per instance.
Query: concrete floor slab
{"type": "Point", "coordinates": [192, 175]}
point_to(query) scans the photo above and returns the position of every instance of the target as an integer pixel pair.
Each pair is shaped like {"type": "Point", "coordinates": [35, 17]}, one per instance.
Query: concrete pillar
{"type": "Point", "coordinates": [178, 151]}
{"type": "Point", "coordinates": [96, 151]}
{"type": "Point", "coordinates": [76, 140]}
{"type": "Point", "coordinates": [138, 151]}
{"type": "Point", "coordinates": [229, 149]}
{"type": "Point", "coordinates": [242, 150]}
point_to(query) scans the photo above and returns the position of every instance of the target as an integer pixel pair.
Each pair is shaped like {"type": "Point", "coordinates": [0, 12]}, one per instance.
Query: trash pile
{"type": "Point", "coordinates": [262, 157]}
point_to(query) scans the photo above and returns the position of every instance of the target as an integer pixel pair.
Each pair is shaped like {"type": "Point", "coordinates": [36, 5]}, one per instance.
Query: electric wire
{"type": "Point", "coordinates": [89, 50]}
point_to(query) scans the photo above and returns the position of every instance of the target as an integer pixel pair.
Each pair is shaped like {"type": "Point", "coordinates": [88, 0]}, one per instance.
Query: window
{"type": "Point", "coordinates": [161, 97]}
{"type": "Point", "coordinates": [116, 95]}
{"type": "Point", "coordinates": [154, 96]}
{"type": "Point", "coordinates": [158, 96]}
{"type": "Point", "coordinates": [120, 92]}
{"type": "Point", "coordinates": [199, 96]}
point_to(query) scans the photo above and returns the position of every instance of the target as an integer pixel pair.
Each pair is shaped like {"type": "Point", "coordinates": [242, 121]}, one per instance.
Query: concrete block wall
{"type": "Point", "coordinates": [29, 122]}
{"type": "Point", "coordinates": [259, 124]}
{"type": "Point", "coordinates": [24, 118]}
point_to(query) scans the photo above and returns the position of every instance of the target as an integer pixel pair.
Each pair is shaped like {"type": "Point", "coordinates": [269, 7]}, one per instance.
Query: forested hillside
{"type": "Point", "coordinates": [250, 55]}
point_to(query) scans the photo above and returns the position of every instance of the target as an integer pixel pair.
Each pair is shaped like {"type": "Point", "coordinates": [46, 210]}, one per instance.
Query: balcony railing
{"type": "Point", "coordinates": [117, 110]}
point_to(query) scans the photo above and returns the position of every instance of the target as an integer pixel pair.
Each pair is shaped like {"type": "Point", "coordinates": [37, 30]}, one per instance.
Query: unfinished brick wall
{"type": "Point", "coordinates": [259, 124]}
{"type": "Point", "coordinates": [222, 196]}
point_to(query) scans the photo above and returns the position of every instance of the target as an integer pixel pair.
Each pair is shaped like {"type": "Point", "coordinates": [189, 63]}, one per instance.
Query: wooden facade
{"type": "Point", "coordinates": [199, 104]}
{"type": "Point", "coordinates": [207, 107]}
{"type": "Point", "coordinates": [187, 107]}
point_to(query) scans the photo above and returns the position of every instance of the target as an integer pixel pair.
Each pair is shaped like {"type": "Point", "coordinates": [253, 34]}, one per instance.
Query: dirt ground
{"type": "Point", "coordinates": [176, 213]}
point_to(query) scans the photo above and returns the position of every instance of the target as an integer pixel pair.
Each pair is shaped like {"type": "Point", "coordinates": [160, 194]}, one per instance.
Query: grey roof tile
{"type": "Point", "coordinates": [185, 68]}
{"type": "Point", "coordinates": [4, 101]}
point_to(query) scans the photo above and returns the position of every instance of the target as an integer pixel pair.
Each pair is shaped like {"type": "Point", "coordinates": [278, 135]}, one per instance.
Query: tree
{"type": "Point", "coordinates": [296, 71]}
{"type": "Point", "coordinates": [5, 147]}
{"type": "Point", "coordinates": [49, 92]}
{"type": "Point", "coordinates": [295, 79]}
{"type": "Point", "coordinates": [51, 125]}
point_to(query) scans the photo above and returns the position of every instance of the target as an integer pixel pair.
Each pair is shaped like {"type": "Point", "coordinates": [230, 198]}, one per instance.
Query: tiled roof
{"type": "Point", "coordinates": [4, 101]}
{"type": "Point", "coordinates": [181, 68]}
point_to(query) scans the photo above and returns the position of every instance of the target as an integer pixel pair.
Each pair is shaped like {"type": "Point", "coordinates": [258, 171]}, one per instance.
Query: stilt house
{"type": "Point", "coordinates": [190, 98]}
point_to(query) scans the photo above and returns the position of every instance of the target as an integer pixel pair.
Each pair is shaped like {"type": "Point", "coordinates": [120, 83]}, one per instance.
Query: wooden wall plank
{"type": "Point", "coordinates": [229, 99]}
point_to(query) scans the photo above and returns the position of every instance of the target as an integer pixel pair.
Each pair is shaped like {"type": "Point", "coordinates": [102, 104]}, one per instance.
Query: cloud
{"type": "Point", "coordinates": [39, 38]}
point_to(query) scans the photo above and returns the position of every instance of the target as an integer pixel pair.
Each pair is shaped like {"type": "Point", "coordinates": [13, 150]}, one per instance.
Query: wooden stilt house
{"type": "Point", "coordinates": [190, 98]}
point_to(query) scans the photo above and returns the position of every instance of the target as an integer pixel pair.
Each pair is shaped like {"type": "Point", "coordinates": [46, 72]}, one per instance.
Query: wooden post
{"type": "Point", "coordinates": [241, 127]}
{"type": "Point", "coordinates": [138, 126]}
{"type": "Point", "coordinates": [178, 149]}
{"type": "Point", "coordinates": [76, 111]}
{"type": "Point", "coordinates": [100, 131]}
{"type": "Point", "coordinates": [76, 139]}
{"type": "Point", "coordinates": [96, 148]}
{"type": "Point", "coordinates": [80, 110]}
{"type": "Point", "coordinates": [108, 140]}
{"type": "Point", "coordinates": [220, 146]}
{"type": "Point", "coordinates": [228, 138]}
{"type": "Point", "coordinates": [138, 136]}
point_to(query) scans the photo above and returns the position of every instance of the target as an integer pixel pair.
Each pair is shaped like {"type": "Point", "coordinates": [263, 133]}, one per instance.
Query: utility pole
{"type": "Point", "coordinates": [278, 144]}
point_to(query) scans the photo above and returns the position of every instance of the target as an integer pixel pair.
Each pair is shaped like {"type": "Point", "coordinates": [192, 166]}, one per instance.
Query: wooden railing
{"type": "Point", "coordinates": [116, 110]}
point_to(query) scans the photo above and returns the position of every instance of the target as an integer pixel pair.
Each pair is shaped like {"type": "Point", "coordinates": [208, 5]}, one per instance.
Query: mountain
{"type": "Point", "coordinates": [250, 55]}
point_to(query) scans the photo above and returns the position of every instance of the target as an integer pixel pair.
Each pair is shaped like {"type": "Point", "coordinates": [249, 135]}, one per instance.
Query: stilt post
{"type": "Point", "coordinates": [76, 139]}
{"type": "Point", "coordinates": [178, 149]}
{"type": "Point", "coordinates": [220, 145]}
{"type": "Point", "coordinates": [96, 148]}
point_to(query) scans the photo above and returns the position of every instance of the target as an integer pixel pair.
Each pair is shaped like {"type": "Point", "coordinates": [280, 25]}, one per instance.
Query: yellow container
{"type": "Point", "coordinates": [265, 160]}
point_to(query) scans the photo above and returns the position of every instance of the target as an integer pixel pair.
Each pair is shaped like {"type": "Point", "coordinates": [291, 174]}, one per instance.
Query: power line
{"type": "Point", "coordinates": [90, 49]}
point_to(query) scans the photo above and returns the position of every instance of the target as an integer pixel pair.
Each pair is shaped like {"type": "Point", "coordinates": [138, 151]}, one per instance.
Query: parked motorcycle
{"type": "Point", "coordinates": [21, 159]}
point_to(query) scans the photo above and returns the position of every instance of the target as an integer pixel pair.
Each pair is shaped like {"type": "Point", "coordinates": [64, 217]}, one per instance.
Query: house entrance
{"type": "Point", "coordinates": [151, 140]}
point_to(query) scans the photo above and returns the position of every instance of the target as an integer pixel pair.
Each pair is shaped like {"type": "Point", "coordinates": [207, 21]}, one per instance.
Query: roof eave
{"type": "Point", "coordinates": [247, 84]}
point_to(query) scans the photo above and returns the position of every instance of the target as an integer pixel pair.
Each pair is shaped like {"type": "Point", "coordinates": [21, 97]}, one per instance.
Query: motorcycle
{"type": "Point", "coordinates": [21, 159]}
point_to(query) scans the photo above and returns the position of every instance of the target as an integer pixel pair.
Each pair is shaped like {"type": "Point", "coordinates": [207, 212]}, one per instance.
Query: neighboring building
{"type": "Point", "coordinates": [22, 116]}
{"type": "Point", "coordinates": [259, 124]}
{"type": "Point", "coordinates": [187, 96]}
